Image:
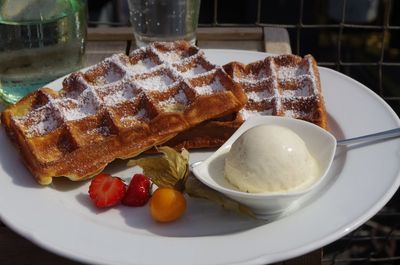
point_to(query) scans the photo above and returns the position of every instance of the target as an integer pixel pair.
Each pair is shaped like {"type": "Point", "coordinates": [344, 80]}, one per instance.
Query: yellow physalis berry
{"type": "Point", "coordinates": [167, 204]}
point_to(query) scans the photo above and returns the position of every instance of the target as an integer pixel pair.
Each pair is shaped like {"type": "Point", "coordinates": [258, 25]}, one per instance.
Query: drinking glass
{"type": "Point", "coordinates": [40, 40]}
{"type": "Point", "coordinates": [164, 20]}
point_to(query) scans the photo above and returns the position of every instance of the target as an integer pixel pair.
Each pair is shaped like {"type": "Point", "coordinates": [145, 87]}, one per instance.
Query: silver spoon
{"type": "Point", "coordinates": [371, 137]}
{"type": "Point", "coordinates": [393, 133]}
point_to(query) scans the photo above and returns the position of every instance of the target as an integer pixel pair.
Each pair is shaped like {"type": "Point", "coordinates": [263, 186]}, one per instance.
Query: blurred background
{"type": "Point", "coordinates": [360, 38]}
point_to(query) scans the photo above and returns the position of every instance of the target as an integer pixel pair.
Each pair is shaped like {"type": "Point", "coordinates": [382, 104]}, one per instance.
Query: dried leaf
{"type": "Point", "coordinates": [169, 170]}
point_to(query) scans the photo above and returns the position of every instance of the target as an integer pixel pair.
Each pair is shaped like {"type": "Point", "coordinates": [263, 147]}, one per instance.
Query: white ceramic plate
{"type": "Point", "coordinates": [61, 218]}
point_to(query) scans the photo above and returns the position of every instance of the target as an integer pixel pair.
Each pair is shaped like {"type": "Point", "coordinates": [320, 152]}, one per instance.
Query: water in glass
{"type": "Point", "coordinates": [40, 40]}
{"type": "Point", "coordinates": [164, 20]}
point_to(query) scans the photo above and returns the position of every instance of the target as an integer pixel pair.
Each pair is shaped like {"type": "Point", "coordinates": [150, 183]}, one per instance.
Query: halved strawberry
{"type": "Point", "coordinates": [138, 192]}
{"type": "Point", "coordinates": [106, 190]}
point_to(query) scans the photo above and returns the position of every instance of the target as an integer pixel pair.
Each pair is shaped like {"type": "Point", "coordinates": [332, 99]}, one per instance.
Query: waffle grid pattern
{"type": "Point", "coordinates": [119, 108]}
{"type": "Point", "coordinates": [285, 85]}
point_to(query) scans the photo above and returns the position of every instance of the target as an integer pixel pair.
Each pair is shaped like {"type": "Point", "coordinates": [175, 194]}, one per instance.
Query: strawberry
{"type": "Point", "coordinates": [138, 192]}
{"type": "Point", "coordinates": [106, 190]}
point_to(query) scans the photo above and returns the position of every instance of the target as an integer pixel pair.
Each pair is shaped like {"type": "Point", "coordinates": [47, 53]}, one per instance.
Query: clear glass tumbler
{"type": "Point", "coordinates": [164, 20]}
{"type": "Point", "coordinates": [40, 40]}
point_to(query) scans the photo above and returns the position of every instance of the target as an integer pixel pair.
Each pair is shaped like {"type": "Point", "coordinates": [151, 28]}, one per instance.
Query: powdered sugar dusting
{"type": "Point", "coordinates": [291, 72]}
{"type": "Point", "coordinates": [69, 109]}
{"type": "Point", "coordinates": [258, 96]}
{"type": "Point", "coordinates": [312, 76]}
{"type": "Point", "coordinates": [113, 99]}
{"type": "Point", "coordinates": [213, 87]}
{"type": "Point", "coordinates": [291, 113]}
{"type": "Point", "coordinates": [301, 91]}
{"type": "Point", "coordinates": [88, 101]}
{"type": "Point", "coordinates": [141, 115]}
{"type": "Point", "coordinates": [196, 70]}
{"type": "Point", "coordinates": [49, 123]}
{"type": "Point", "coordinates": [252, 77]}
{"type": "Point", "coordinates": [286, 73]}
{"type": "Point", "coordinates": [142, 66]}
{"type": "Point", "coordinates": [170, 56]}
{"type": "Point", "coordinates": [246, 114]}
{"type": "Point", "coordinates": [112, 74]}
{"type": "Point", "coordinates": [117, 95]}
{"type": "Point", "coordinates": [43, 119]}
{"type": "Point", "coordinates": [278, 103]}
{"type": "Point", "coordinates": [157, 82]}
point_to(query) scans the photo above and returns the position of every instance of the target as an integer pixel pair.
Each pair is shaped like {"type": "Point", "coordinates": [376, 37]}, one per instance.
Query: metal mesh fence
{"type": "Point", "coordinates": [360, 38]}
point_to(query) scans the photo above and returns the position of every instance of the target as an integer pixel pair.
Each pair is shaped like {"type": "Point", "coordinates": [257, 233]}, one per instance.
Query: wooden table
{"type": "Point", "coordinates": [102, 42]}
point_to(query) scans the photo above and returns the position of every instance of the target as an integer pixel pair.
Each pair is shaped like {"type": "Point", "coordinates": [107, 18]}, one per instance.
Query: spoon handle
{"type": "Point", "coordinates": [371, 137]}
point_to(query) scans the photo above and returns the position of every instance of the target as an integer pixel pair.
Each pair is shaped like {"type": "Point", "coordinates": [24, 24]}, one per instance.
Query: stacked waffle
{"type": "Point", "coordinates": [285, 85]}
{"type": "Point", "coordinates": [166, 93]}
{"type": "Point", "coordinates": [118, 109]}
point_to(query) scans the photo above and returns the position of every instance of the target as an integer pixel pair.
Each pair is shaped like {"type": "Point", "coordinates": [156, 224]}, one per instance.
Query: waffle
{"type": "Point", "coordinates": [117, 109]}
{"type": "Point", "coordinates": [285, 85]}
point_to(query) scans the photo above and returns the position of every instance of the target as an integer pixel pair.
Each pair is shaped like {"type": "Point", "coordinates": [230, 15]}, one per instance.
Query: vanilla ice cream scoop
{"type": "Point", "coordinates": [270, 158]}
